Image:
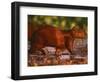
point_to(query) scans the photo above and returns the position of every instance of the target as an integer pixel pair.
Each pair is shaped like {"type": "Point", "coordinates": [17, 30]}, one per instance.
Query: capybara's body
{"type": "Point", "coordinates": [47, 36]}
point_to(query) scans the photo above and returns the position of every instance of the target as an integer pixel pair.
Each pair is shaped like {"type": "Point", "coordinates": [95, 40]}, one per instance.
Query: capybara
{"type": "Point", "coordinates": [47, 36]}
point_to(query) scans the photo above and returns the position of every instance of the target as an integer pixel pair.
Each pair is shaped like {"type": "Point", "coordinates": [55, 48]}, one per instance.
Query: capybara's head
{"type": "Point", "coordinates": [78, 32]}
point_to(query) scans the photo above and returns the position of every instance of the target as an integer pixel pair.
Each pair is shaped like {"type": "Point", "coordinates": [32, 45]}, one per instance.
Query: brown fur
{"type": "Point", "coordinates": [47, 36]}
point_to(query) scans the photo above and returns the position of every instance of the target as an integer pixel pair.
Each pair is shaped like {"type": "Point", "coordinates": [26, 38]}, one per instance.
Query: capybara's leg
{"type": "Point", "coordinates": [71, 45]}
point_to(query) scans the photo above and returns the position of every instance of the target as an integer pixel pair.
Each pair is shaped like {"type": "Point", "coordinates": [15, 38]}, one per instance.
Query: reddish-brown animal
{"type": "Point", "coordinates": [47, 36]}
{"type": "Point", "coordinates": [51, 36]}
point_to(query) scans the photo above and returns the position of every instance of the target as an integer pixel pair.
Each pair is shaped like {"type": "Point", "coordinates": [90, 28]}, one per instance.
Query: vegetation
{"type": "Point", "coordinates": [64, 23]}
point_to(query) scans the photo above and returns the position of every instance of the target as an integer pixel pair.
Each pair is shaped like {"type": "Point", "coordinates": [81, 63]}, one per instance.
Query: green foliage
{"type": "Point", "coordinates": [64, 23]}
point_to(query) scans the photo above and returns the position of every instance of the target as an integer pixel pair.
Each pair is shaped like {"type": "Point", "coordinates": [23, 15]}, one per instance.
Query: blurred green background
{"type": "Point", "coordinates": [61, 22]}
